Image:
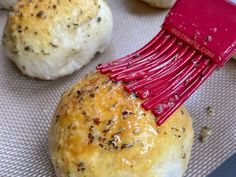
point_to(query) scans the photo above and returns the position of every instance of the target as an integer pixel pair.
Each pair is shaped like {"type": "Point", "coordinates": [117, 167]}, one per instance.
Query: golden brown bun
{"type": "Point", "coordinates": [99, 130]}
{"type": "Point", "coordinates": [50, 39]}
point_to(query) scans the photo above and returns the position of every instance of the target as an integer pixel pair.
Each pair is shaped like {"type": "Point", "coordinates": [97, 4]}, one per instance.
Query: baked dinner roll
{"type": "Point", "coordinates": [99, 130]}
{"type": "Point", "coordinates": [7, 4]}
{"type": "Point", "coordinates": [161, 3]}
{"type": "Point", "coordinates": [49, 39]}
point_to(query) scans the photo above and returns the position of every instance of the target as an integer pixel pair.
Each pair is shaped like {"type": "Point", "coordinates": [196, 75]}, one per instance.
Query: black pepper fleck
{"type": "Point", "coordinates": [99, 19]}
{"type": "Point", "coordinates": [41, 14]}
{"type": "Point", "coordinates": [78, 93]}
{"type": "Point", "coordinates": [53, 45]}
{"type": "Point", "coordinates": [28, 49]}
{"type": "Point", "coordinates": [91, 138]}
{"type": "Point", "coordinates": [184, 156]}
{"type": "Point", "coordinates": [92, 95]}
{"type": "Point", "coordinates": [96, 121]}
{"type": "Point", "coordinates": [81, 167]}
{"type": "Point", "coordinates": [126, 146]}
{"type": "Point", "coordinates": [59, 147]}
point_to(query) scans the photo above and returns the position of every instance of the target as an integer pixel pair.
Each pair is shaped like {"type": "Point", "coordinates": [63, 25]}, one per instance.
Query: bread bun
{"type": "Point", "coordinates": [7, 4]}
{"type": "Point", "coordinates": [161, 3]}
{"type": "Point", "coordinates": [50, 39]}
{"type": "Point", "coordinates": [99, 130]}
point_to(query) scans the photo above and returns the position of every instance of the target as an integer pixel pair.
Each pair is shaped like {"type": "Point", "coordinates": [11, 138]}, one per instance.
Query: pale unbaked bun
{"type": "Point", "coordinates": [161, 3]}
{"type": "Point", "coordinates": [99, 130]}
{"type": "Point", "coordinates": [7, 4]}
{"type": "Point", "coordinates": [50, 39]}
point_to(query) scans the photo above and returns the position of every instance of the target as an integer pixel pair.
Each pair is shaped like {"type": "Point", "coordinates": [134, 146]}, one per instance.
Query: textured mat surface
{"type": "Point", "coordinates": [27, 105]}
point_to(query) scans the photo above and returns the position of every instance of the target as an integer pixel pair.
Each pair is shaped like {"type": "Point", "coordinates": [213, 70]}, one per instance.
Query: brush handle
{"type": "Point", "coordinates": [207, 25]}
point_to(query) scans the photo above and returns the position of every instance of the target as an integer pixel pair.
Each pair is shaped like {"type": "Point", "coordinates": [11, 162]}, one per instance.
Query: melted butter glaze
{"type": "Point", "coordinates": [98, 123]}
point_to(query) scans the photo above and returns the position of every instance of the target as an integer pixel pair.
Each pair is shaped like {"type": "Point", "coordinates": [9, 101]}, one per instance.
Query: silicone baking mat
{"type": "Point", "coordinates": [27, 105]}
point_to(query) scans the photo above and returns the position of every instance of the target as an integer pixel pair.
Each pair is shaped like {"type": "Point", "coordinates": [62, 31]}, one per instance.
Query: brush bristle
{"type": "Point", "coordinates": [164, 73]}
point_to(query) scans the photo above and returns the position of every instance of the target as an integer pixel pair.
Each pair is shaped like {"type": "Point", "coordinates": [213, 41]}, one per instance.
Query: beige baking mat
{"type": "Point", "coordinates": [27, 105]}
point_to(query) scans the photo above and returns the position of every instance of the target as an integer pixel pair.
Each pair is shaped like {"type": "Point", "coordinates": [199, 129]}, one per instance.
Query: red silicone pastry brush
{"type": "Point", "coordinates": [197, 37]}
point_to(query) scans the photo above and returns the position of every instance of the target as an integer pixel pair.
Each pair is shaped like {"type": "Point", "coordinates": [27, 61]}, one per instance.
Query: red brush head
{"type": "Point", "coordinates": [207, 25]}
{"type": "Point", "coordinates": [198, 36]}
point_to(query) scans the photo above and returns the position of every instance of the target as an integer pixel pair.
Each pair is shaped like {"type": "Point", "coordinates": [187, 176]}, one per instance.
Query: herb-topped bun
{"type": "Point", "coordinates": [99, 130]}
{"type": "Point", "coordinates": [161, 3]}
{"type": "Point", "coordinates": [7, 4]}
{"type": "Point", "coordinates": [49, 39]}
